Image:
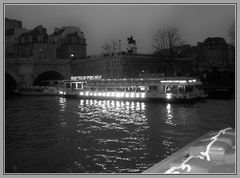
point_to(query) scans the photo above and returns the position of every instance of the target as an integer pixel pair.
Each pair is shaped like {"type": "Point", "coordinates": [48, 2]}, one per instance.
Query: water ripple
{"type": "Point", "coordinates": [55, 134]}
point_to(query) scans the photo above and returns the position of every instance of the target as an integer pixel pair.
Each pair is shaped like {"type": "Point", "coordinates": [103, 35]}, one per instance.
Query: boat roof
{"type": "Point", "coordinates": [160, 79]}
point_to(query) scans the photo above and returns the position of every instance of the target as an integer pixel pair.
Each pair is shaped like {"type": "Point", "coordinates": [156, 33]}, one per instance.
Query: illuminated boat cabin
{"type": "Point", "coordinates": [134, 88]}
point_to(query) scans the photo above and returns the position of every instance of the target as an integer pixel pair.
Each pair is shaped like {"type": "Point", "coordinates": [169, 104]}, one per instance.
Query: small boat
{"type": "Point", "coordinates": [213, 153]}
{"type": "Point", "coordinates": [38, 91]}
{"type": "Point", "coordinates": [165, 88]}
{"type": "Point", "coordinates": [50, 88]}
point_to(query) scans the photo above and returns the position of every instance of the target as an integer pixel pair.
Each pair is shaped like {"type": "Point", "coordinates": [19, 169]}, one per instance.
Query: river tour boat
{"type": "Point", "coordinates": [213, 153]}
{"type": "Point", "coordinates": [164, 88]}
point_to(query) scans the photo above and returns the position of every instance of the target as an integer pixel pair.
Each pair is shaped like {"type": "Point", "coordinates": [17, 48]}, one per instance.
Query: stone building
{"type": "Point", "coordinates": [69, 42]}
{"type": "Point", "coordinates": [211, 54]}
{"type": "Point", "coordinates": [12, 24]}
{"type": "Point", "coordinates": [13, 30]}
{"type": "Point", "coordinates": [214, 52]}
{"type": "Point", "coordinates": [11, 39]}
{"type": "Point", "coordinates": [214, 62]}
{"type": "Point", "coordinates": [34, 44]}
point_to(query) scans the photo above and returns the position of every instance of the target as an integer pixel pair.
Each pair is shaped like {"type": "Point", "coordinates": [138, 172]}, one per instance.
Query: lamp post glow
{"type": "Point", "coordinates": [72, 56]}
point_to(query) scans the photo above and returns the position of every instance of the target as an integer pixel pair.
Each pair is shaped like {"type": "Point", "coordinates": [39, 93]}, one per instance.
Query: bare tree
{"type": "Point", "coordinates": [231, 33]}
{"type": "Point", "coordinates": [107, 49]}
{"type": "Point", "coordinates": [110, 48]}
{"type": "Point", "coordinates": [114, 45]}
{"type": "Point", "coordinates": [165, 40]}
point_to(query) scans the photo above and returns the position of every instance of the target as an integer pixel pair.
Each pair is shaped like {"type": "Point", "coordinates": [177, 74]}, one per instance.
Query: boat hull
{"type": "Point", "coordinates": [213, 152]}
{"type": "Point", "coordinates": [38, 91]}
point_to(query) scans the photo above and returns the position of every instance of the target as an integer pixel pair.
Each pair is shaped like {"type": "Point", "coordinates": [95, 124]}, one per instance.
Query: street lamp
{"type": "Point", "coordinates": [140, 73]}
{"type": "Point", "coordinates": [72, 56]}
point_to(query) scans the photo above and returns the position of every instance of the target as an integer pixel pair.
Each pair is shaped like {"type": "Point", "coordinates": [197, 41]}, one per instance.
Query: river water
{"type": "Point", "coordinates": [61, 135]}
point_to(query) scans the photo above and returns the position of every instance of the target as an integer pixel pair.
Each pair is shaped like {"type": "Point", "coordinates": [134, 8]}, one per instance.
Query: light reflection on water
{"type": "Point", "coordinates": [62, 104]}
{"type": "Point", "coordinates": [103, 136]}
{"type": "Point", "coordinates": [170, 117]}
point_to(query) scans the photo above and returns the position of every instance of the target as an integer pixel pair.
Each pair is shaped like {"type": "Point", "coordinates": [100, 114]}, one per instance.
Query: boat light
{"type": "Point", "coordinates": [182, 81]}
{"type": "Point", "coordinates": [118, 94]}
{"type": "Point", "coordinates": [81, 93]}
{"type": "Point", "coordinates": [173, 81]}
{"type": "Point", "coordinates": [169, 95]}
{"type": "Point", "coordinates": [121, 94]}
{"type": "Point", "coordinates": [143, 95]}
{"type": "Point", "coordinates": [132, 95]}
{"type": "Point", "coordinates": [61, 92]}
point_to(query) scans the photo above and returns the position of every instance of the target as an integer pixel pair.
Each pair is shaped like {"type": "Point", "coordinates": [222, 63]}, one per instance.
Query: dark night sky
{"type": "Point", "coordinates": [103, 23]}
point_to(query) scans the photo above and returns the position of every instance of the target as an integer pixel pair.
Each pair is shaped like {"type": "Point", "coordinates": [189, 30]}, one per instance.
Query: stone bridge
{"type": "Point", "coordinates": [26, 71]}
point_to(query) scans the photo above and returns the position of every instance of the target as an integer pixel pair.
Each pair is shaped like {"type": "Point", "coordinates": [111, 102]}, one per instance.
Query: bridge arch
{"type": "Point", "coordinates": [47, 75]}
{"type": "Point", "coordinates": [10, 83]}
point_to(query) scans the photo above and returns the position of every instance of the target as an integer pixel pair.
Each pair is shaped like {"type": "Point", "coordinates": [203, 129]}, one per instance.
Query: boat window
{"type": "Point", "coordinates": [92, 89]}
{"type": "Point", "coordinates": [110, 89]}
{"type": "Point", "coordinates": [67, 85]}
{"type": "Point", "coordinates": [101, 89]}
{"type": "Point", "coordinates": [141, 89]}
{"type": "Point", "coordinates": [181, 89]}
{"type": "Point", "coordinates": [168, 89]}
{"type": "Point", "coordinates": [153, 88]}
{"type": "Point", "coordinates": [130, 89]}
{"type": "Point", "coordinates": [161, 88]}
{"type": "Point", "coordinates": [119, 89]}
{"type": "Point", "coordinates": [171, 89]}
{"type": "Point", "coordinates": [79, 85]}
{"type": "Point", "coordinates": [74, 85]}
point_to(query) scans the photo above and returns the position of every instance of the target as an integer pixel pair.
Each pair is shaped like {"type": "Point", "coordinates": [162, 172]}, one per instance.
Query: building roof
{"type": "Point", "coordinates": [65, 30]}
{"type": "Point", "coordinates": [211, 42]}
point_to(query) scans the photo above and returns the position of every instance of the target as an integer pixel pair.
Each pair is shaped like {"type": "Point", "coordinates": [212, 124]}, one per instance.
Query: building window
{"type": "Point", "coordinates": [30, 39]}
{"type": "Point", "coordinates": [22, 40]}
{"type": "Point", "coordinates": [40, 39]}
